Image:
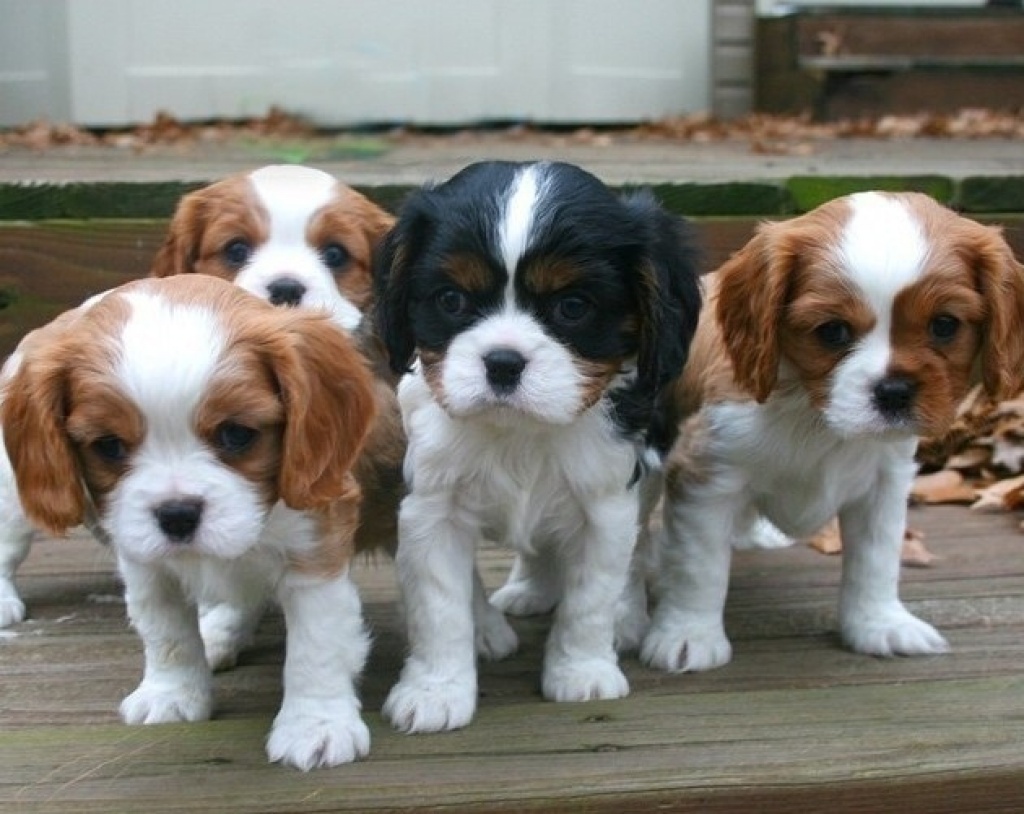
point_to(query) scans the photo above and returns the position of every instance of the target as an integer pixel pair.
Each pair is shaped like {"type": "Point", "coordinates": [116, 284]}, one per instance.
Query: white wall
{"type": "Point", "coordinates": [343, 62]}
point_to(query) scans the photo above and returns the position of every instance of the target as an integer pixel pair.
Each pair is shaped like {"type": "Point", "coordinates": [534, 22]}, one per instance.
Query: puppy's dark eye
{"type": "Point", "coordinates": [452, 301]}
{"type": "Point", "coordinates": [237, 253]}
{"type": "Point", "coordinates": [944, 328]}
{"type": "Point", "coordinates": [234, 438]}
{"type": "Point", "coordinates": [110, 448]}
{"type": "Point", "coordinates": [572, 309]}
{"type": "Point", "coordinates": [834, 334]}
{"type": "Point", "coordinates": [334, 255]}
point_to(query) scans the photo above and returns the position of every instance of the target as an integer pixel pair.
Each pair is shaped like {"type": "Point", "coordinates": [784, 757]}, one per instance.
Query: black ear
{"type": "Point", "coordinates": [670, 299]}
{"type": "Point", "coordinates": [400, 250]}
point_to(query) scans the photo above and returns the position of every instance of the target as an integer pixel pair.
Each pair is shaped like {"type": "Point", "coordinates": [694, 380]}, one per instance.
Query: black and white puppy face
{"type": "Point", "coordinates": [532, 290]}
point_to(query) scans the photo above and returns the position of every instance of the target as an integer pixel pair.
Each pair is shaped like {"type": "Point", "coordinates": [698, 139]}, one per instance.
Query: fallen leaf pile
{"type": "Point", "coordinates": [763, 133]}
{"type": "Point", "coordinates": [980, 461]}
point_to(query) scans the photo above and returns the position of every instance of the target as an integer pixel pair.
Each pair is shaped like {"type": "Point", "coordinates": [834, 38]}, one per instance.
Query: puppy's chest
{"type": "Point", "coordinates": [524, 488]}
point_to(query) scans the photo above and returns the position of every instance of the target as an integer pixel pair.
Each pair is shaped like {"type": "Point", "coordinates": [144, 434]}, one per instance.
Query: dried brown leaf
{"type": "Point", "coordinates": [944, 486]}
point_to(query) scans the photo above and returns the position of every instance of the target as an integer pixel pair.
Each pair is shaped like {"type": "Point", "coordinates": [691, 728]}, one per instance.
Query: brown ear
{"type": "Point", "coordinates": [44, 462]}
{"type": "Point", "coordinates": [752, 287]}
{"type": "Point", "coordinates": [329, 403]}
{"type": "Point", "coordinates": [180, 248]}
{"type": "Point", "coordinates": [1001, 281]}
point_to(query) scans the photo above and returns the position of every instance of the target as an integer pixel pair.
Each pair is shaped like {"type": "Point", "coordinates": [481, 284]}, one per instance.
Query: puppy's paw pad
{"type": "Point", "coordinates": [312, 742]}
{"type": "Point", "coordinates": [686, 648]}
{"type": "Point", "coordinates": [152, 704]}
{"type": "Point", "coordinates": [495, 639]}
{"type": "Point", "coordinates": [524, 598]}
{"type": "Point", "coordinates": [12, 611]}
{"type": "Point", "coordinates": [896, 633]}
{"type": "Point", "coordinates": [430, 705]}
{"type": "Point", "coordinates": [591, 680]}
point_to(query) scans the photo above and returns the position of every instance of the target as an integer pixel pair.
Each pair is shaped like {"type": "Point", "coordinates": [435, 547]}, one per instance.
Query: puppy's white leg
{"type": "Point", "coordinates": [15, 537]}
{"type": "Point", "coordinates": [533, 586]}
{"type": "Point", "coordinates": [872, 619]}
{"type": "Point", "coordinates": [687, 632]}
{"type": "Point", "coordinates": [580, 663]}
{"type": "Point", "coordinates": [228, 627]}
{"type": "Point", "coordinates": [631, 617]}
{"type": "Point", "coordinates": [319, 723]}
{"type": "Point", "coordinates": [176, 683]}
{"type": "Point", "coordinates": [495, 638]}
{"type": "Point", "coordinates": [437, 689]}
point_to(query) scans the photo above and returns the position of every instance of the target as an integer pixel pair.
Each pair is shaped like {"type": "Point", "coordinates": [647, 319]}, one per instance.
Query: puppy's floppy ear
{"type": "Point", "coordinates": [752, 290]}
{"type": "Point", "coordinates": [329, 403]}
{"type": "Point", "coordinates": [1000, 278]}
{"type": "Point", "coordinates": [401, 249]}
{"type": "Point", "coordinates": [670, 297]}
{"type": "Point", "coordinates": [180, 249]}
{"type": "Point", "coordinates": [45, 465]}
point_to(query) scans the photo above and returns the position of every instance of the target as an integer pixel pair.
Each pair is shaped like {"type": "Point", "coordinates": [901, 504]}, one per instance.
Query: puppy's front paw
{"type": "Point", "coordinates": [590, 680]}
{"type": "Point", "coordinates": [892, 631]}
{"type": "Point", "coordinates": [426, 704]}
{"type": "Point", "coordinates": [12, 610]}
{"type": "Point", "coordinates": [318, 737]}
{"type": "Point", "coordinates": [494, 637]}
{"type": "Point", "coordinates": [226, 631]}
{"type": "Point", "coordinates": [688, 644]}
{"type": "Point", "coordinates": [525, 597]}
{"type": "Point", "coordinates": [164, 703]}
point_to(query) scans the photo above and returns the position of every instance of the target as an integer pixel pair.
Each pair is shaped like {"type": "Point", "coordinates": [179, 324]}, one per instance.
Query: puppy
{"type": "Point", "coordinates": [831, 342]}
{"type": "Point", "coordinates": [290, 234]}
{"type": "Point", "coordinates": [544, 314]}
{"type": "Point", "coordinates": [294, 236]}
{"type": "Point", "coordinates": [212, 438]}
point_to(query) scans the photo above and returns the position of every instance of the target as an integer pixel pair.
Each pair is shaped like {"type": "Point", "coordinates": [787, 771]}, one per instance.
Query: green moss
{"type": "Point", "coordinates": [809, 192]}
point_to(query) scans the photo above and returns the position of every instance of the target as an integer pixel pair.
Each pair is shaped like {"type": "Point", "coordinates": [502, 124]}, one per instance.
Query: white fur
{"type": "Point", "coordinates": [546, 490]}
{"type": "Point", "coordinates": [796, 466]}
{"type": "Point", "coordinates": [291, 195]}
{"type": "Point", "coordinates": [550, 387]}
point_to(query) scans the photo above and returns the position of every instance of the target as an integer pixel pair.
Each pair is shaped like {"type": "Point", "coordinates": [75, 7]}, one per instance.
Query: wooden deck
{"type": "Point", "coordinates": [793, 724]}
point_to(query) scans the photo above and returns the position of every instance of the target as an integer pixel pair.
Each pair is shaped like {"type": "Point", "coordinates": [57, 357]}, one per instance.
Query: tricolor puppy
{"type": "Point", "coordinates": [544, 314]}
{"type": "Point", "coordinates": [290, 234]}
{"type": "Point", "coordinates": [830, 343]}
{"type": "Point", "coordinates": [214, 440]}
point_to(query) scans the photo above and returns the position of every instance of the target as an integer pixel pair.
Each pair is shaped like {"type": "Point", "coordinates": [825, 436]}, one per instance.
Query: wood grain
{"type": "Point", "coordinates": [794, 723]}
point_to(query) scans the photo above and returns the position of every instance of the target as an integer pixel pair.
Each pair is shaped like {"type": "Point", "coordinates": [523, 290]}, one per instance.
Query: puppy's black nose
{"type": "Point", "coordinates": [895, 395]}
{"type": "Point", "coordinates": [504, 367]}
{"type": "Point", "coordinates": [179, 519]}
{"type": "Point", "coordinates": [286, 291]}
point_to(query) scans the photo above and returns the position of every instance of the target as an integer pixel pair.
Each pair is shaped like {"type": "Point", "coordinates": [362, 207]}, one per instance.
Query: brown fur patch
{"type": "Point", "coordinates": [549, 275]}
{"type": "Point", "coordinates": [358, 225]}
{"type": "Point", "coordinates": [469, 272]}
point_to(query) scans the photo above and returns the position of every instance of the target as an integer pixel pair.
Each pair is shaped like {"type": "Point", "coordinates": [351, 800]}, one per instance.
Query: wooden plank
{"type": "Point", "coordinates": [47, 267]}
{"type": "Point", "coordinates": [953, 34]}
{"type": "Point", "coordinates": [793, 724]}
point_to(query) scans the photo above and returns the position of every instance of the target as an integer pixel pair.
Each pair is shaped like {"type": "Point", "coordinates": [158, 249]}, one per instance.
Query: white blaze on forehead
{"type": "Point", "coordinates": [291, 195]}
{"type": "Point", "coordinates": [517, 219]}
{"type": "Point", "coordinates": [883, 248]}
{"type": "Point", "coordinates": [168, 353]}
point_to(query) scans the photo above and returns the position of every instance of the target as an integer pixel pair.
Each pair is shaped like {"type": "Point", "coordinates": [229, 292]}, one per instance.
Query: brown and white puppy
{"type": "Point", "coordinates": [214, 440]}
{"type": "Point", "coordinates": [831, 342]}
{"type": "Point", "coordinates": [290, 234]}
